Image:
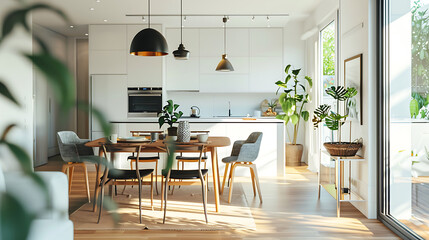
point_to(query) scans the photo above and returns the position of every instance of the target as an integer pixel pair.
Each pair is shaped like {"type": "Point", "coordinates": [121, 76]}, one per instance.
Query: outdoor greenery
{"type": "Point", "coordinates": [420, 44]}
{"type": "Point", "coordinates": [323, 113]}
{"type": "Point", "coordinates": [328, 42]}
{"type": "Point", "coordinates": [169, 114]}
{"type": "Point", "coordinates": [292, 101]}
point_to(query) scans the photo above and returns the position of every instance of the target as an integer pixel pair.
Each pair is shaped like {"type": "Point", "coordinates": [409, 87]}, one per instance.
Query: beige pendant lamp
{"type": "Point", "coordinates": [224, 64]}
{"type": "Point", "coordinates": [149, 42]}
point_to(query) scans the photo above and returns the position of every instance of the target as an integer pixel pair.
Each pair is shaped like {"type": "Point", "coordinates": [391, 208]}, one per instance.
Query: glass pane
{"type": "Point", "coordinates": [328, 61]}
{"type": "Point", "coordinates": [409, 113]}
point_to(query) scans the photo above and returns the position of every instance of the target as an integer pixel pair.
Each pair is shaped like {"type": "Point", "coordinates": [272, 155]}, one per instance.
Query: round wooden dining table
{"type": "Point", "coordinates": [159, 146]}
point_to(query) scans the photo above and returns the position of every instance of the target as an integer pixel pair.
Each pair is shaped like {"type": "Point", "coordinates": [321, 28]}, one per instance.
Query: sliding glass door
{"type": "Point", "coordinates": [404, 116]}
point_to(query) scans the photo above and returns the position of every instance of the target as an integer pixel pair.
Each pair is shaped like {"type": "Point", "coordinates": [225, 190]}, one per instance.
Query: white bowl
{"type": "Point", "coordinates": [202, 138]}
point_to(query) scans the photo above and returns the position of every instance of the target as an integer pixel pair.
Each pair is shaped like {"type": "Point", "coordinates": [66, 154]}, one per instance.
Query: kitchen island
{"type": "Point", "coordinates": [271, 160]}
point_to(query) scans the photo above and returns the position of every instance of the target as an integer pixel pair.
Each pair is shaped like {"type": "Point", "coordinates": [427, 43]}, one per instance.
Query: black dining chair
{"type": "Point", "coordinates": [185, 177]}
{"type": "Point", "coordinates": [120, 176]}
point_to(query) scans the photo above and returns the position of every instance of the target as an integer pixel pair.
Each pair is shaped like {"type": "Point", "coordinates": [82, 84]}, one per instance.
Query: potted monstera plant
{"type": "Point", "coordinates": [170, 116]}
{"type": "Point", "coordinates": [334, 121]}
{"type": "Point", "coordinates": [292, 101]}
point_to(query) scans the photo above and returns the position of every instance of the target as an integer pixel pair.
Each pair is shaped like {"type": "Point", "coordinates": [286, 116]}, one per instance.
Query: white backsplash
{"type": "Point", "coordinates": [216, 104]}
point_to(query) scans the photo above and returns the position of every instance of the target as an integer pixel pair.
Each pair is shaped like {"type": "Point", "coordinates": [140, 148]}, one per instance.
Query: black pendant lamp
{"type": "Point", "coordinates": [224, 64]}
{"type": "Point", "coordinates": [149, 42]}
{"type": "Point", "coordinates": [181, 53]}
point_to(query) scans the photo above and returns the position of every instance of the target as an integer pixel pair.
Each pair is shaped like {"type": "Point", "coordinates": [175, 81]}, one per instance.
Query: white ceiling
{"type": "Point", "coordinates": [114, 11]}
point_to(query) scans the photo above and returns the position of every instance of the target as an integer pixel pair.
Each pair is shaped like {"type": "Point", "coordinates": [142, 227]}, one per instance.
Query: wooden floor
{"type": "Point", "coordinates": [290, 211]}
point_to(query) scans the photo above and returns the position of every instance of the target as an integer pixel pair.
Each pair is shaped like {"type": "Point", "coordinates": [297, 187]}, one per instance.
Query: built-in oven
{"type": "Point", "coordinates": [144, 102]}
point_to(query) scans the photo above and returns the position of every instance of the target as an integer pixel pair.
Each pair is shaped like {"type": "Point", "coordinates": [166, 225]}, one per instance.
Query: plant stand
{"type": "Point", "coordinates": [336, 189]}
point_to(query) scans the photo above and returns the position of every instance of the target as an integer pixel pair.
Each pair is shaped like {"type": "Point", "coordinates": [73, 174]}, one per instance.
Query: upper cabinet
{"type": "Point", "coordinates": [143, 71]}
{"type": "Point", "coordinates": [266, 42]}
{"type": "Point", "coordinates": [107, 44]}
{"type": "Point", "coordinates": [183, 75]}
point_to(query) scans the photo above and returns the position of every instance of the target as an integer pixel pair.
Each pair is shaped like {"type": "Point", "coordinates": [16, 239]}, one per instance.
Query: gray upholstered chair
{"type": "Point", "coordinates": [244, 153]}
{"type": "Point", "coordinates": [71, 149]}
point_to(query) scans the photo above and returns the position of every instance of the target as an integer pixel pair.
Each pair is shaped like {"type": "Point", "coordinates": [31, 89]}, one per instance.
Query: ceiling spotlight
{"type": "Point", "coordinates": [184, 18]}
{"type": "Point", "coordinates": [97, 1]}
{"type": "Point", "coordinates": [144, 19]}
{"type": "Point", "coordinates": [253, 18]}
{"type": "Point", "coordinates": [105, 20]}
{"type": "Point", "coordinates": [268, 19]}
{"type": "Point", "coordinates": [71, 26]}
{"type": "Point", "coordinates": [86, 34]}
{"type": "Point", "coordinates": [92, 9]}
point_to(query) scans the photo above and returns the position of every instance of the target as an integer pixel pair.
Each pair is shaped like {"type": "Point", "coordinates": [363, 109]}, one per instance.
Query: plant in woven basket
{"type": "Point", "coordinates": [334, 121]}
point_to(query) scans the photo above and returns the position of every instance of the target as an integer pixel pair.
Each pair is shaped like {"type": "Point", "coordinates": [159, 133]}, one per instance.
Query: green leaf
{"type": "Point", "coordinates": [58, 76]}
{"type": "Point", "coordinates": [305, 115]}
{"type": "Point", "coordinates": [161, 121]}
{"type": "Point", "coordinates": [287, 69]}
{"type": "Point", "coordinates": [282, 98]}
{"type": "Point", "coordinates": [15, 219]}
{"type": "Point", "coordinates": [112, 208]}
{"type": "Point", "coordinates": [302, 86]}
{"type": "Point", "coordinates": [296, 71]}
{"type": "Point", "coordinates": [283, 117]}
{"type": "Point", "coordinates": [309, 80]}
{"type": "Point", "coordinates": [294, 119]}
{"type": "Point", "coordinates": [288, 77]}
{"type": "Point", "coordinates": [4, 91]}
{"type": "Point", "coordinates": [176, 106]}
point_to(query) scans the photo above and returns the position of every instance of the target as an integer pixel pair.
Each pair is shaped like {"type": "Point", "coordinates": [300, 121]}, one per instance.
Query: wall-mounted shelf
{"type": "Point", "coordinates": [338, 163]}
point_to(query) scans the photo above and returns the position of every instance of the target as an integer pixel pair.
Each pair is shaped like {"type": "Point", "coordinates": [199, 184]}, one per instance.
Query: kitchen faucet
{"type": "Point", "coordinates": [229, 109]}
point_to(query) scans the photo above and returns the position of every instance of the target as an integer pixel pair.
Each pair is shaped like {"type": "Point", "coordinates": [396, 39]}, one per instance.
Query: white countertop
{"type": "Point", "coordinates": [208, 120]}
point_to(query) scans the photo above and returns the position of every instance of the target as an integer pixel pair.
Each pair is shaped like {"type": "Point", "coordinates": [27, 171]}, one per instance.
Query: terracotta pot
{"type": "Point", "coordinates": [172, 131]}
{"type": "Point", "coordinates": [293, 154]}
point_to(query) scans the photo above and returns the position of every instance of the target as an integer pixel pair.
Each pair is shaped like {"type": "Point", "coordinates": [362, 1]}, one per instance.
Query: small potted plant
{"type": "Point", "coordinates": [170, 116]}
{"type": "Point", "coordinates": [292, 101]}
{"type": "Point", "coordinates": [334, 121]}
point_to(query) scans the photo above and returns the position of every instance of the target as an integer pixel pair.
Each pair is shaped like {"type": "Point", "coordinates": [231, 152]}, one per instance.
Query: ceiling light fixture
{"type": "Point", "coordinates": [149, 42]}
{"type": "Point", "coordinates": [105, 20]}
{"type": "Point", "coordinates": [224, 64]}
{"type": "Point", "coordinates": [98, 1]}
{"type": "Point", "coordinates": [86, 34]}
{"type": "Point", "coordinates": [144, 19]}
{"type": "Point", "coordinates": [71, 26]}
{"type": "Point", "coordinates": [253, 18]}
{"type": "Point", "coordinates": [184, 18]}
{"type": "Point", "coordinates": [92, 9]}
{"type": "Point", "coordinates": [181, 53]}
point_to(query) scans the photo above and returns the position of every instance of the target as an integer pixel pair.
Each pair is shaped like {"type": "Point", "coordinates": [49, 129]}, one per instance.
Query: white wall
{"type": "Point", "coordinates": [48, 117]}
{"type": "Point", "coordinates": [17, 73]}
{"type": "Point", "coordinates": [359, 40]}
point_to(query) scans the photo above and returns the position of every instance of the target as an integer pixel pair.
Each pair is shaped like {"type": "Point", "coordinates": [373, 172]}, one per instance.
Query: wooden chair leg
{"type": "Point", "coordinates": [224, 178]}
{"type": "Point", "coordinates": [162, 191]}
{"type": "Point", "coordinates": [156, 177]}
{"type": "Point", "coordinates": [86, 181]}
{"type": "Point", "coordinates": [140, 199]}
{"type": "Point", "coordinates": [165, 200]}
{"type": "Point", "coordinates": [203, 188]}
{"type": "Point", "coordinates": [71, 170]}
{"type": "Point", "coordinates": [96, 189]}
{"type": "Point", "coordinates": [100, 208]}
{"type": "Point", "coordinates": [252, 175]}
{"type": "Point", "coordinates": [255, 172]}
{"type": "Point", "coordinates": [151, 191]}
{"type": "Point", "coordinates": [232, 181]}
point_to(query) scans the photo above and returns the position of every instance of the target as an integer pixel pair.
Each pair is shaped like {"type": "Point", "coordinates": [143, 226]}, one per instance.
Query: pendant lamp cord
{"type": "Point", "coordinates": [148, 9]}
{"type": "Point", "coordinates": [181, 25]}
{"type": "Point", "coordinates": [224, 34]}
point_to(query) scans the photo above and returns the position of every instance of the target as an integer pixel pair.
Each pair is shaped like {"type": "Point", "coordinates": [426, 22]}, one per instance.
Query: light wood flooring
{"type": "Point", "coordinates": [290, 211]}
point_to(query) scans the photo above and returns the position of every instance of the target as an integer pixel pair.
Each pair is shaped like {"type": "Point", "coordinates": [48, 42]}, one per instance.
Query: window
{"type": "Point", "coordinates": [404, 116]}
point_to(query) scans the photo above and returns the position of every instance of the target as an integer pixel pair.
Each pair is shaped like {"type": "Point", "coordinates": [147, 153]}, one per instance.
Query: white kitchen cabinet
{"type": "Point", "coordinates": [107, 62]}
{"type": "Point", "coordinates": [237, 42]}
{"type": "Point", "coordinates": [107, 37]}
{"type": "Point", "coordinates": [143, 71]}
{"type": "Point", "coordinates": [211, 42]}
{"type": "Point", "coordinates": [266, 42]}
{"type": "Point", "coordinates": [183, 75]}
{"type": "Point", "coordinates": [225, 83]}
{"type": "Point", "coordinates": [264, 72]}
{"type": "Point", "coordinates": [109, 95]}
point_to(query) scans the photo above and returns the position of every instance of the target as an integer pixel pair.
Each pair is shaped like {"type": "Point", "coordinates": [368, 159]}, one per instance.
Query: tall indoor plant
{"type": "Point", "coordinates": [292, 101]}
{"type": "Point", "coordinates": [334, 121]}
{"type": "Point", "coordinates": [170, 116]}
